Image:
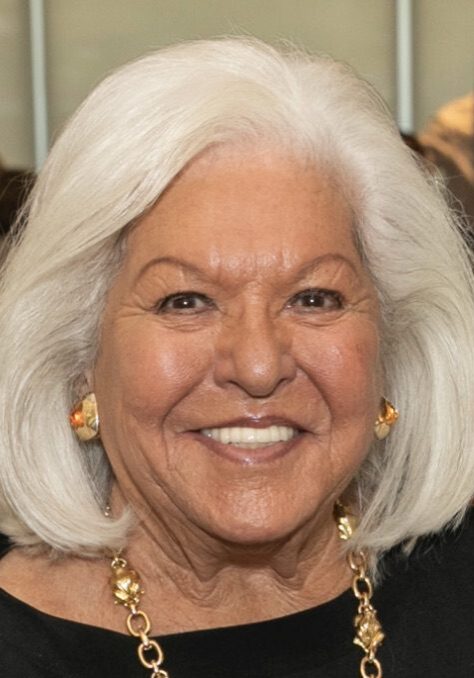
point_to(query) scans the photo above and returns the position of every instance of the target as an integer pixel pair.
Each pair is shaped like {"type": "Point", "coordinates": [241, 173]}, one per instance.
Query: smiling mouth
{"type": "Point", "coordinates": [250, 437]}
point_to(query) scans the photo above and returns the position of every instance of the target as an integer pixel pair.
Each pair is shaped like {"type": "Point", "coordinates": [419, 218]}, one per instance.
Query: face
{"type": "Point", "coordinates": [237, 377]}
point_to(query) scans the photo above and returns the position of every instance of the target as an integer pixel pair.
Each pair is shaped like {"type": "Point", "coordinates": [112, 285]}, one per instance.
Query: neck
{"type": "Point", "coordinates": [201, 581]}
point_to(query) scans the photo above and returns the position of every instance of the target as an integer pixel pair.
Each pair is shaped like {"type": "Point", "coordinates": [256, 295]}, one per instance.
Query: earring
{"type": "Point", "coordinates": [84, 418]}
{"type": "Point", "coordinates": [388, 415]}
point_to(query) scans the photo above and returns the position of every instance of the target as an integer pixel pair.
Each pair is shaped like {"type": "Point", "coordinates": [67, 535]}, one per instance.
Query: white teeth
{"type": "Point", "coordinates": [250, 436]}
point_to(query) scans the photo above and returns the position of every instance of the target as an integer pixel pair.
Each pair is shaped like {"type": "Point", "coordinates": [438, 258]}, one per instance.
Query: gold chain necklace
{"type": "Point", "coordinates": [369, 632]}
{"type": "Point", "coordinates": [127, 591]}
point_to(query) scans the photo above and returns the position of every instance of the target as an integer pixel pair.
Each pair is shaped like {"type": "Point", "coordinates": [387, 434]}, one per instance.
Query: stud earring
{"type": "Point", "coordinates": [84, 418]}
{"type": "Point", "coordinates": [388, 415]}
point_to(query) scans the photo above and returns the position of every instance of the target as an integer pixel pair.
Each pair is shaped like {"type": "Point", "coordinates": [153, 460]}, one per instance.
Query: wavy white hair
{"type": "Point", "coordinates": [120, 150]}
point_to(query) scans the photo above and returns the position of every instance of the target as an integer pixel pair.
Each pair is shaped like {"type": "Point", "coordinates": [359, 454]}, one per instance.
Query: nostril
{"type": "Point", "coordinates": [257, 366]}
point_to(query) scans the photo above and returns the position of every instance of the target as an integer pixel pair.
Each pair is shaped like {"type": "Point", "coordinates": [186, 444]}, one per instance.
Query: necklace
{"type": "Point", "coordinates": [127, 591]}
{"type": "Point", "coordinates": [369, 632]}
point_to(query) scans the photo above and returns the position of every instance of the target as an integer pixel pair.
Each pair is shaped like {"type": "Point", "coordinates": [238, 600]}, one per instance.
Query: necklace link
{"type": "Point", "coordinates": [127, 591]}
{"type": "Point", "coordinates": [369, 633]}
{"type": "Point", "coordinates": [370, 668]}
{"type": "Point", "coordinates": [138, 623]}
{"type": "Point", "coordinates": [151, 662]}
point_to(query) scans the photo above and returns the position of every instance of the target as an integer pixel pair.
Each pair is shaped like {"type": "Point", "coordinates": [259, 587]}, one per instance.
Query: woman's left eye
{"type": "Point", "coordinates": [317, 299]}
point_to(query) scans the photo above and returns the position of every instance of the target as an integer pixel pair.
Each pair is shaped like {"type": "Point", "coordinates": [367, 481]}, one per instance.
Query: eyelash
{"type": "Point", "coordinates": [320, 295]}
{"type": "Point", "coordinates": [163, 306]}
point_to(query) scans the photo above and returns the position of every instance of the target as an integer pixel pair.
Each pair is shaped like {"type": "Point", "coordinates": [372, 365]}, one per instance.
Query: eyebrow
{"type": "Point", "coordinates": [187, 266]}
{"type": "Point", "coordinates": [172, 261]}
{"type": "Point", "coordinates": [314, 264]}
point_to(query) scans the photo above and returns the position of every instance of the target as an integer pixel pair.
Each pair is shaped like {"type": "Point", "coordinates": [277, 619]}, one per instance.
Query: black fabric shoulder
{"type": "Point", "coordinates": [425, 604]}
{"type": "Point", "coordinates": [4, 544]}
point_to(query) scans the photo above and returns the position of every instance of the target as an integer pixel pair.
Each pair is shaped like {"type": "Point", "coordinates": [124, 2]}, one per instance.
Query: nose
{"type": "Point", "coordinates": [254, 353]}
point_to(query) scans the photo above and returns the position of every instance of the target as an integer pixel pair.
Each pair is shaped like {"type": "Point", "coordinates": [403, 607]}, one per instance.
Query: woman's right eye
{"type": "Point", "coordinates": [184, 303]}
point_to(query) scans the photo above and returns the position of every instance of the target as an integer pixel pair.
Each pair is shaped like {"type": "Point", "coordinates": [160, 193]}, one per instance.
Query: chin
{"type": "Point", "coordinates": [250, 531]}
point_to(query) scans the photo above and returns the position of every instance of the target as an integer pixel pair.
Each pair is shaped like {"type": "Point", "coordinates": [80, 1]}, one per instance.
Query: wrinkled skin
{"type": "Point", "coordinates": [242, 299]}
{"type": "Point", "coordinates": [247, 233]}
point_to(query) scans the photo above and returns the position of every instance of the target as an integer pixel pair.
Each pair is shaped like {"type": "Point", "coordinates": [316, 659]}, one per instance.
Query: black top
{"type": "Point", "coordinates": [425, 604]}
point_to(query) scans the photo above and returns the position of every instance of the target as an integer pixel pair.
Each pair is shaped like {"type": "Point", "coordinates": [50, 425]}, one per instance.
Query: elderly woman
{"type": "Point", "coordinates": [230, 267]}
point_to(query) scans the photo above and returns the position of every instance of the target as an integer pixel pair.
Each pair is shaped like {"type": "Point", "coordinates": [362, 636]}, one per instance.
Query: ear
{"type": "Point", "coordinates": [88, 380]}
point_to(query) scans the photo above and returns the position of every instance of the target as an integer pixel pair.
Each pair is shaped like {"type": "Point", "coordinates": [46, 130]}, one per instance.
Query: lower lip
{"type": "Point", "coordinates": [248, 456]}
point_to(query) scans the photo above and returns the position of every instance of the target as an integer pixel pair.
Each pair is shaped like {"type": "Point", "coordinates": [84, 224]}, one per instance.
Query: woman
{"type": "Point", "coordinates": [230, 262]}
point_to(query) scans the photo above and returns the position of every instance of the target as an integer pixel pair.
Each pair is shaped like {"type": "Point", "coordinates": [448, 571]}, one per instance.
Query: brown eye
{"type": "Point", "coordinates": [317, 299]}
{"type": "Point", "coordinates": [184, 302]}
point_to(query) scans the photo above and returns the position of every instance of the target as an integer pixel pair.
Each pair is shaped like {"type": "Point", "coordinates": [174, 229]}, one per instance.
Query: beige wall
{"type": "Point", "coordinates": [444, 48]}
{"type": "Point", "coordinates": [87, 38]}
{"type": "Point", "coordinates": [16, 137]}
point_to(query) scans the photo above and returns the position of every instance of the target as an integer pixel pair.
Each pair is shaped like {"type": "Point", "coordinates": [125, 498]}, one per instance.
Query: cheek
{"type": "Point", "coordinates": [345, 367]}
{"type": "Point", "coordinates": [147, 372]}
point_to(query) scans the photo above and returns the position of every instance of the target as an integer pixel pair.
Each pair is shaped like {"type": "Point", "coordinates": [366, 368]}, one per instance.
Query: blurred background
{"type": "Point", "coordinates": [419, 54]}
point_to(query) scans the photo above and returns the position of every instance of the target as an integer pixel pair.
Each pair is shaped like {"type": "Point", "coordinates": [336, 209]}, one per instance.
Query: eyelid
{"type": "Point", "coordinates": [318, 291]}
{"type": "Point", "coordinates": [161, 304]}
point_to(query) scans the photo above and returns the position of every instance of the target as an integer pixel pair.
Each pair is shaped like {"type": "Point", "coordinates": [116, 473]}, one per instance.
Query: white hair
{"type": "Point", "coordinates": [118, 153]}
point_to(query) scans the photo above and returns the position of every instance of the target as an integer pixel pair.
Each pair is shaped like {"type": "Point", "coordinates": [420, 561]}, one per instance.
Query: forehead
{"type": "Point", "coordinates": [245, 205]}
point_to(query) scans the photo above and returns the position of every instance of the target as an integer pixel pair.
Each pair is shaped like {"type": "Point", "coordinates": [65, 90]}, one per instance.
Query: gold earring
{"type": "Point", "coordinates": [84, 418]}
{"type": "Point", "coordinates": [388, 415]}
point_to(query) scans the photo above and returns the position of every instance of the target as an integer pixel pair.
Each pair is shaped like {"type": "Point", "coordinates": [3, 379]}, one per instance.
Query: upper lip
{"type": "Point", "coordinates": [254, 422]}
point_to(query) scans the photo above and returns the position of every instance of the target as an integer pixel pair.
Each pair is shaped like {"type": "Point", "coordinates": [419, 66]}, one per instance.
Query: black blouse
{"type": "Point", "coordinates": [425, 604]}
